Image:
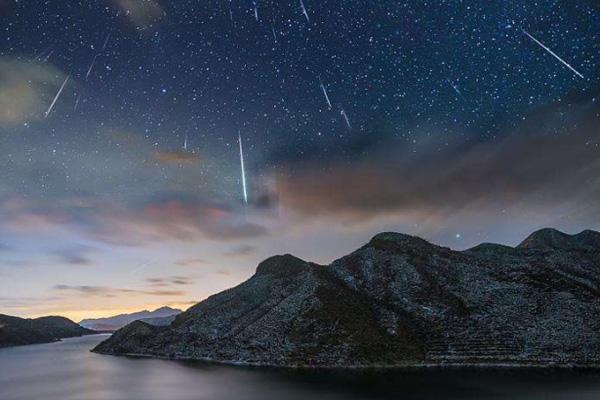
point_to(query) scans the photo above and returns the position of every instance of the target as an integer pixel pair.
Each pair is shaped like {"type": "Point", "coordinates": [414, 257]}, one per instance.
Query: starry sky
{"type": "Point", "coordinates": [458, 121]}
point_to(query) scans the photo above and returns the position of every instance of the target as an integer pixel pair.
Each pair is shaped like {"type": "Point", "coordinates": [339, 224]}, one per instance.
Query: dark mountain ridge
{"type": "Point", "coordinates": [15, 331]}
{"type": "Point", "coordinates": [398, 301]}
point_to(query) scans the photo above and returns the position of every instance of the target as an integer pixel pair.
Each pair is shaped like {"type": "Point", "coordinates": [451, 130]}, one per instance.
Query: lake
{"type": "Point", "coordinates": [67, 370]}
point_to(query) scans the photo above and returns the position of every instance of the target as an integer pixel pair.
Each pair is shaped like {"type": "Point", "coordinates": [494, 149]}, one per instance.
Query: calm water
{"type": "Point", "coordinates": [67, 370]}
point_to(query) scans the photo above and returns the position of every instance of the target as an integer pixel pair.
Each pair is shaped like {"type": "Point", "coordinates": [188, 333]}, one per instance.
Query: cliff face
{"type": "Point", "coordinates": [16, 331]}
{"type": "Point", "coordinates": [398, 300]}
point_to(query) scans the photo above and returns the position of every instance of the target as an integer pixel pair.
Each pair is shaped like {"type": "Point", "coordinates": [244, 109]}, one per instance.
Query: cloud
{"type": "Point", "coordinates": [240, 251]}
{"type": "Point", "coordinates": [178, 220]}
{"type": "Point", "coordinates": [172, 217]}
{"type": "Point", "coordinates": [109, 292]}
{"type": "Point", "coordinates": [75, 255]}
{"type": "Point", "coordinates": [537, 169]}
{"type": "Point", "coordinates": [187, 262]}
{"type": "Point", "coordinates": [176, 157]}
{"type": "Point", "coordinates": [26, 89]}
{"type": "Point", "coordinates": [170, 281]}
{"type": "Point", "coordinates": [141, 13]}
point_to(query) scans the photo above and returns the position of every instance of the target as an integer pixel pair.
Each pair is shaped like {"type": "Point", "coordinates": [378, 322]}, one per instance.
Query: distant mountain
{"type": "Point", "coordinates": [398, 301]}
{"type": "Point", "coordinates": [16, 331]}
{"type": "Point", "coordinates": [160, 316]}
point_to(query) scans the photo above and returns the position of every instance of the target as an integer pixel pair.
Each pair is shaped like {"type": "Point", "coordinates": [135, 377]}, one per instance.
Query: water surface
{"type": "Point", "coordinates": [67, 370]}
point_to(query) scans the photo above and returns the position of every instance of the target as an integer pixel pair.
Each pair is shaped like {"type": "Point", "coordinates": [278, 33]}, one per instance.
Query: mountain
{"type": "Point", "coordinates": [398, 301]}
{"type": "Point", "coordinates": [160, 316]}
{"type": "Point", "coordinates": [16, 331]}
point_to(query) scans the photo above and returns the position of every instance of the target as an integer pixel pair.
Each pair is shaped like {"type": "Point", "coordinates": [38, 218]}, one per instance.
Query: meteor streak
{"type": "Point", "coordinates": [325, 93]}
{"type": "Point", "coordinates": [456, 89]}
{"type": "Point", "coordinates": [553, 54]}
{"type": "Point", "coordinates": [274, 34]}
{"type": "Point", "coordinates": [304, 10]}
{"type": "Point", "coordinates": [89, 71]}
{"type": "Point", "coordinates": [77, 100]}
{"type": "Point", "coordinates": [106, 40]}
{"type": "Point", "coordinates": [185, 143]}
{"type": "Point", "coordinates": [56, 97]}
{"type": "Point", "coordinates": [49, 55]}
{"type": "Point", "coordinates": [346, 118]}
{"type": "Point", "coordinates": [243, 169]}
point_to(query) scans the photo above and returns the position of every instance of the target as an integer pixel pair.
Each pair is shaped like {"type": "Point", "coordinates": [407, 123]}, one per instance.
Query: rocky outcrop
{"type": "Point", "coordinates": [16, 331]}
{"type": "Point", "coordinates": [160, 316]}
{"type": "Point", "coordinates": [398, 301]}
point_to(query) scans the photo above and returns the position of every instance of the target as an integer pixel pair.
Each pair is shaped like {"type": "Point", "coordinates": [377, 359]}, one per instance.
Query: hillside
{"type": "Point", "coordinates": [16, 331]}
{"type": "Point", "coordinates": [398, 301]}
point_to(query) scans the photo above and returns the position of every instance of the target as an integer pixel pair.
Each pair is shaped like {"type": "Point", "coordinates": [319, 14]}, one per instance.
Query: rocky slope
{"type": "Point", "coordinates": [160, 316]}
{"type": "Point", "coordinates": [16, 331]}
{"type": "Point", "coordinates": [398, 301]}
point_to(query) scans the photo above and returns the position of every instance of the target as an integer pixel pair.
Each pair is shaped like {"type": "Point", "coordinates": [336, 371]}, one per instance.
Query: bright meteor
{"type": "Point", "coordinates": [553, 54]}
{"type": "Point", "coordinates": [325, 93]}
{"type": "Point", "coordinates": [304, 12]}
{"type": "Point", "coordinates": [56, 97]}
{"type": "Point", "coordinates": [243, 169]}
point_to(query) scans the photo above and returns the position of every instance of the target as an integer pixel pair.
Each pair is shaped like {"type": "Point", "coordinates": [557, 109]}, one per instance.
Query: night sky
{"type": "Point", "coordinates": [121, 187]}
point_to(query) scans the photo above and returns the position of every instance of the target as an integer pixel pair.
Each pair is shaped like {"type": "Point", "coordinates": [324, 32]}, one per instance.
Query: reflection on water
{"type": "Point", "coordinates": [67, 370]}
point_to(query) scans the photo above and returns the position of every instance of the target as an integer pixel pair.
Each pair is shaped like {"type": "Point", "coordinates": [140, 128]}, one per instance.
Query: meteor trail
{"type": "Point", "coordinates": [346, 118]}
{"type": "Point", "coordinates": [243, 169]}
{"type": "Point", "coordinates": [185, 143]}
{"type": "Point", "coordinates": [56, 97]}
{"type": "Point", "coordinates": [456, 89]}
{"type": "Point", "coordinates": [77, 100]}
{"type": "Point", "coordinates": [89, 71]}
{"type": "Point", "coordinates": [256, 12]}
{"type": "Point", "coordinates": [106, 40]}
{"type": "Point", "coordinates": [49, 55]}
{"type": "Point", "coordinates": [553, 54]}
{"type": "Point", "coordinates": [325, 93]}
{"type": "Point", "coordinates": [304, 10]}
{"type": "Point", "coordinates": [274, 34]}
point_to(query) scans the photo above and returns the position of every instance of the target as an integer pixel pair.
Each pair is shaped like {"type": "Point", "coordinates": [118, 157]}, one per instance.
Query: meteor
{"type": "Point", "coordinates": [553, 54]}
{"type": "Point", "coordinates": [106, 40]}
{"type": "Point", "coordinates": [56, 97]}
{"type": "Point", "coordinates": [243, 169]}
{"type": "Point", "coordinates": [89, 71]}
{"type": "Point", "coordinates": [304, 10]}
{"type": "Point", "coordinates": [77, 102]}
{"type": "Point", "coordinates": [185, 143]}
{"type": "Point", "coordinates": [346, 118]}
{"type": "Point", "coordinates": [325, 93]}
{"type": "Point", "coordinates": [456, 89]}
{"type": "Point", "coordinates": [274, 34]}
{"type": "Point", "coordinates": [49, 55]}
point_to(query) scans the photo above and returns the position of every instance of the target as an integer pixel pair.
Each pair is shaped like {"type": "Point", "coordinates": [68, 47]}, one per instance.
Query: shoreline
{"type": "Point", "coordinates": [381, 367]}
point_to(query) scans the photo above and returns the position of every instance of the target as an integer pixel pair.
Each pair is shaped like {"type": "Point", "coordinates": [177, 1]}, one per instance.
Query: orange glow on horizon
{"type": "Point", "coordinates": [78, 315]}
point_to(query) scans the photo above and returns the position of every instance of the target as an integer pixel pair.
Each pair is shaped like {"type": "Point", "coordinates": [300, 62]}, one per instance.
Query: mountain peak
{"type": "Point", "coordinates": [397, 241]}
{"type": "Point", "coordinates": [549, 238]}
{"type": "Point", "coordinates": [285, 264]}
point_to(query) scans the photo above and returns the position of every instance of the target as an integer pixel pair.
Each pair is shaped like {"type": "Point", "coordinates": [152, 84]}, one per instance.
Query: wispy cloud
{"type": "Point", "coordinates": [170, 281]}
{"type": "Point", "coordinates": [188, 262]}
{"type": "Point", "coordinates": [240, 251]}
{"type": "Point", "coordinates": [176, 157]}
{"type": "Point", "coordinates": [26, 89]}
{"type": "Point", "coordinates": [105, 291]}
{"type": "Point", "coordinates": [141, 13]}
{"type": "Point", "coordinates": [76, 254]}
{"type": "Point", "coordinates": [533, 171]}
